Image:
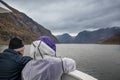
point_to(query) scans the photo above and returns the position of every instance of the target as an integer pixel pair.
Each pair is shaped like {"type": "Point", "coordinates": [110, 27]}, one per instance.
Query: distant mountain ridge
{"type": "Point", "coordinates": [19, 24]}
{"type": "Point", "coordinates": [65, 38]}
{"type": "Point", "coordinates": [97, 36]}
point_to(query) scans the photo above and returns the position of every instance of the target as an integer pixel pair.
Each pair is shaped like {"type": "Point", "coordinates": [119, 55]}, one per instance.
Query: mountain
{"type": "Point", "coordinates": [65, 38]}
{"type": "Point", "coordinates": [96, 36]}
{"type": "Point", "coordinates": [113, 40]}
{"type": "Point", "coordinates": [19, 24]}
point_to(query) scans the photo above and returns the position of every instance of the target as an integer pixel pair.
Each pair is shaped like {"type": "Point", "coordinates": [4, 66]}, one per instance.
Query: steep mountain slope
{"type": "Point", "coordinates": [19, 24]}
{"type": "Point", "coordinates": [113, 40]}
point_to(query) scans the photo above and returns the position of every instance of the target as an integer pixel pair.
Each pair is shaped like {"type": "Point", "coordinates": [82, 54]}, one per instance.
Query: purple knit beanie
{"type": "Point", "coordinates": [48, 41]}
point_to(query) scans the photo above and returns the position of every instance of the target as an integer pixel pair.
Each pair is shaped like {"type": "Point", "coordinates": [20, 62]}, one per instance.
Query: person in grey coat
{"type": "Point", "coordinates": [12, 60]}
{"type": "Point", "coordinates": [45, 64]}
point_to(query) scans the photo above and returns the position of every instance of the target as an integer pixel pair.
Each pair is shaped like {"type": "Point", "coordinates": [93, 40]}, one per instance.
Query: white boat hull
{"type": "Point", "coordinates": [77, 75]}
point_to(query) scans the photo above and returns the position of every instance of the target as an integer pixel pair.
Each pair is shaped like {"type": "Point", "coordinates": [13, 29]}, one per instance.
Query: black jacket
{"type": "Point", "coordinates": [11, 64]}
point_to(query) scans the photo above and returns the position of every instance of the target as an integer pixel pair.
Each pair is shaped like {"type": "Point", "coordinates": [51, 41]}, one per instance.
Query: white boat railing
{"type": "Point", "coordinates": [77, 75]}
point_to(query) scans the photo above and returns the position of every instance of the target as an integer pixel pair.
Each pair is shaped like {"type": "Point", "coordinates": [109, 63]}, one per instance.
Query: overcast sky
{"type": "Point", "coordinates": [71, 16]}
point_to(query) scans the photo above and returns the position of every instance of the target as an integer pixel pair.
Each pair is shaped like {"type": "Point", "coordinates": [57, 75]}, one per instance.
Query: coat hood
{"type": "Point", "coordinates": [39, 49]}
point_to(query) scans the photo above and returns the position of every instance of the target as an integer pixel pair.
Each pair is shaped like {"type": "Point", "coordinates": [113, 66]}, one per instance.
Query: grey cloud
{"type": "Point", "coordinates": [71, 16]}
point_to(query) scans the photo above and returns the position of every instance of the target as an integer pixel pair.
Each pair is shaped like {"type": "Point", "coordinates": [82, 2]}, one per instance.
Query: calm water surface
{"type": "Point", "coordinates": [100, 61]}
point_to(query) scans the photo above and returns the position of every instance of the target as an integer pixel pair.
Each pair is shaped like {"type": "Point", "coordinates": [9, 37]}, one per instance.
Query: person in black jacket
{"type": "Point", "coordinates": [12, 60]}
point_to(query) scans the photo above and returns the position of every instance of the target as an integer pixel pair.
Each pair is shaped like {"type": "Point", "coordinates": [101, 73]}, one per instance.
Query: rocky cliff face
{"type": "Point", "coordinates": [19, 24]}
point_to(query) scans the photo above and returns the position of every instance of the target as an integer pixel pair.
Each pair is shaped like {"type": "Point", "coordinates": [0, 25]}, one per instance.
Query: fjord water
{"type": "Point", "coordinates": [100, 61]}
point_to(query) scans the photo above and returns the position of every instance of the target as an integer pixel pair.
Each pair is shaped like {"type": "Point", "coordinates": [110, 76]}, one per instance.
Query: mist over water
{"type": "Point", "coordinates": [100, 61]}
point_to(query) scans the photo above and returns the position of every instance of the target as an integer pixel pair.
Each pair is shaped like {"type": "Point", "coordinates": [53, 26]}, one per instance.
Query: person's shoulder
{"type": "Point", "coordinates": [10, 54]}
{"type": "Point", "coordinates": [25, 58]}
